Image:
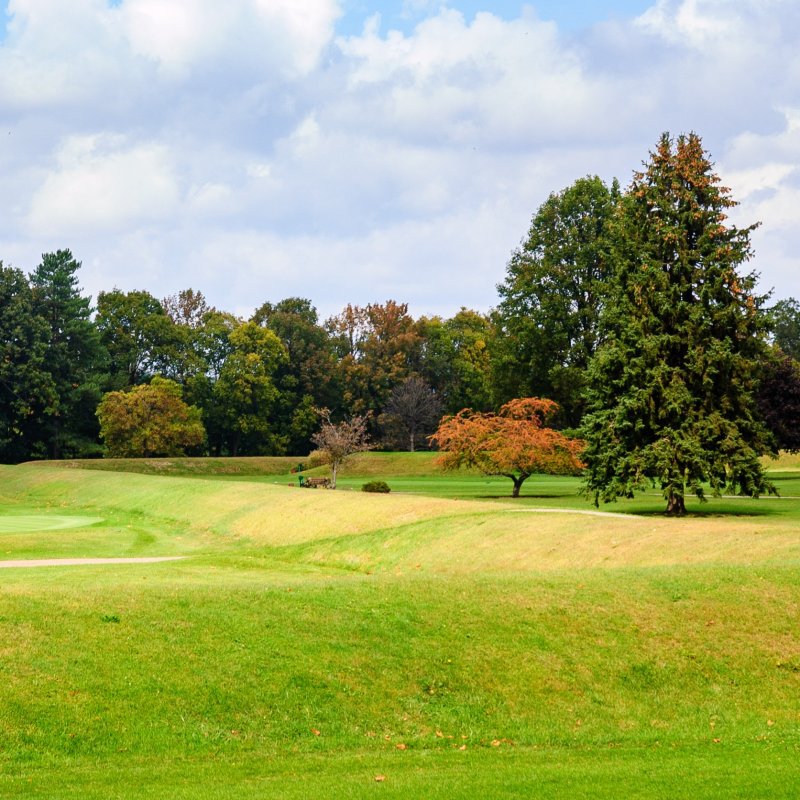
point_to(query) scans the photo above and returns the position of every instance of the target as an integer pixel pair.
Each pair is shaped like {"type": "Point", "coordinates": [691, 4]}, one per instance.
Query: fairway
{"type": "Point", "coordinates": [19, 523]}
{"type": "Point", "coordinates": [339, 644]}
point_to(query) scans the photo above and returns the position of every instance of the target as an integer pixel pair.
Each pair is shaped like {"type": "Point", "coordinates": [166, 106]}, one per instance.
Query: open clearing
{"type": "Point", "coordinates": [316, 641]}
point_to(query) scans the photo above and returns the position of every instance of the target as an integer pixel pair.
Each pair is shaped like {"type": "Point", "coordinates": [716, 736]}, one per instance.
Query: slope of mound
{"type": "Point", "coordinates": [352, 530]}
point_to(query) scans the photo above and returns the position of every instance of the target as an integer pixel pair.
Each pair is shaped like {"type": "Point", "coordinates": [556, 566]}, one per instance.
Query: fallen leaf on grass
{"type": "Point", "coordinates": [380, 778]}
{"type": "Point", "coordinates": [401, 746]}
{"type": "Point", "coordinates": [315, 732]}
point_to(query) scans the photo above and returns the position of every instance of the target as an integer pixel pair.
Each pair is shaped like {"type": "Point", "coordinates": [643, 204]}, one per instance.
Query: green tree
{"type": "Point", "coordinates": [27, 392]}
{"type": "Point", "coordinates": [139, 335]}
{"type": "Point", "coordinates": [183, 355]}
{"type": "Point", "coordinates": [149, 420]}
{"type": "Point", "coordinates": [245, 394]}
{"type": "Point", "coordinates": [308, 378]}
{"type": "Point", "coordinates": [75, 358]}
{"type": "Point", "coordinates": [785, 323]}
{"type": "Point", "coordinates": [456, 361]}
{"type": "Point", "coordinates": [550, 302]}
{"type": "Point", "coordinates": [779, 399]}
{"type": "Point", "coordinates": [671, 390]}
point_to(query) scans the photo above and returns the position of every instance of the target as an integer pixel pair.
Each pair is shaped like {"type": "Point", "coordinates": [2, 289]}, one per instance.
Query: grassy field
{"type": "Point", "coordinates": [433, 643]}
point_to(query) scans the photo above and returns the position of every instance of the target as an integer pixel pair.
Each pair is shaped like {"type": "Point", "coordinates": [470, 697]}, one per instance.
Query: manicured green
{"type": "Point", "coordinates": [307, 634]}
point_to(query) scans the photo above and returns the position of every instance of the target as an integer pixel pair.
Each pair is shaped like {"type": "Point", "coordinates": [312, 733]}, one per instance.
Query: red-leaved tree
{"type": "Point", "coordinates": [513, 443]}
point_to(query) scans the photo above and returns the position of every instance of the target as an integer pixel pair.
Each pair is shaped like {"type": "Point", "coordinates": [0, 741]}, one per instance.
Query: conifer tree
{"type": "Point", "coordinates": [671, 390]}
{"type": "Point", "coordinates": [75, 357]}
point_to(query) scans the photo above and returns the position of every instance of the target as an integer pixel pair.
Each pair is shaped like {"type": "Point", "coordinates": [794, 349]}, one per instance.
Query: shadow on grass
{"type": "Point", "coordinates": [699, 512]}
{"type": "Point", "coordinates": [521, 497]}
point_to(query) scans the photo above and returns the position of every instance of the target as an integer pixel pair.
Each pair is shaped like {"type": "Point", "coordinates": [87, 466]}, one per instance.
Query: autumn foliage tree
{"type": "Point", "coordinates": [513, 443]}
{"type": "Point", "coordinates": [149, 420]}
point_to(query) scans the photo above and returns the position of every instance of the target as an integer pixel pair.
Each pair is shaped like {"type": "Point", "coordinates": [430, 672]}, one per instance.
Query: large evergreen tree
{"type": "Point", "coordinates": [671, 390]}
{"type": "Point", "coordinates": [75, 358]}
{"type": "Point", "coordinates": [27, 393]}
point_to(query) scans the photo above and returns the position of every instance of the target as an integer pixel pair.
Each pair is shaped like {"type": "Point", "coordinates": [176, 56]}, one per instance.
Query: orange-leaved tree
{"type": "Point", "coordinates": [513, 443]}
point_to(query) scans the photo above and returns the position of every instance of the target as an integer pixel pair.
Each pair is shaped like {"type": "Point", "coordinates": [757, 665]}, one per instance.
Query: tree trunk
{"type": "Point", "coordinates": [334, 468]}
{"type": "Point", "coordinates": [676, 507]}
{"type": "Point", "coordinates": [517, 484]}
{"type": "Point", "coordinates": [55, 445]}
{"type": "Point", "coordinates": [412, 441]}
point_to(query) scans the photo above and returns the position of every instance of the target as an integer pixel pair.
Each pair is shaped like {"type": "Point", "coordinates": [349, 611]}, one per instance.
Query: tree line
{"type": "Point", "coordinates": [634, 295]}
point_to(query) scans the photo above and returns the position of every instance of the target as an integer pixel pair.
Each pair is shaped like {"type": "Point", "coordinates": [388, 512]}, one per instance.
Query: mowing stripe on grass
{"type": "Point", "coordinates": [79, 562]}
{"type": "Point", "coordinates": [28, 523]}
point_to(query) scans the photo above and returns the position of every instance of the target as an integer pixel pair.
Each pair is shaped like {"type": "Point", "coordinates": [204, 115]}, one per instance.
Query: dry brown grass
{"type": "Point", "coordinates": [404, 532]}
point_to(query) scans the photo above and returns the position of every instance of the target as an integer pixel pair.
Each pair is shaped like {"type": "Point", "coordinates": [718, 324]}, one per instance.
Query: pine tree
{"type": "Point", "coordinates": [75, 357]}
{"type": "Point", "coordinates": [27, 393]}
{"type": "Point", "coordinates": [671, 391]}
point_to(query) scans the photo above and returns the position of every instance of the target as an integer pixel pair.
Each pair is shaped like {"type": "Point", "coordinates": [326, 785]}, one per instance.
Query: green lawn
{"type": "Point", "coordinates": [314, 641]}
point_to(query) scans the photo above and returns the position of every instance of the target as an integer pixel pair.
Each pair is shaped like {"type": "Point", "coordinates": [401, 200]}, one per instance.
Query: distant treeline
{"type": "Point", "coordinates": [257, 383]}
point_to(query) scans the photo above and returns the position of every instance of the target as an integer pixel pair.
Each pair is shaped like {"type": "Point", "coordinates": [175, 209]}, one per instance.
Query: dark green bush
{"type": "Point", "coordinates": [376, 486]}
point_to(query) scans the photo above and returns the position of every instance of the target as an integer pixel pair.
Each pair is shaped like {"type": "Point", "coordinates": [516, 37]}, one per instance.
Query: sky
{"type": "Point", "coordinates": [355, 151]}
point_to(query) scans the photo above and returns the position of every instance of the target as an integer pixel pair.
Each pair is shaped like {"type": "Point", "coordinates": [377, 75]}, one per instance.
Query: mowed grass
{"type": "Point", "coordinates": [314, 641]}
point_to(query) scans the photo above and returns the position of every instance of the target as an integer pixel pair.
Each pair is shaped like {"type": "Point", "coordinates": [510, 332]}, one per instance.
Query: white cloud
{"type": "Point", "coordinates": [103, 183]}
{"type": "Point", "coordinates": [284, 35]}
{"type": "Point", "coordinates": [240, 148]}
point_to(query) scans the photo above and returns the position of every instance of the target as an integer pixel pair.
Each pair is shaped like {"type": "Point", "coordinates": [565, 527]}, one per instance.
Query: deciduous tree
{"type": "Point", "coordinates": [785, 323]}
{"type": "Point", "coordinates": [779, 399]}
{"type": "Point", "coordinates": [415, 408]}
{"type": "Point", "coordinates": [671, 397]}
{"type": "Point", "coordinates": [308, 378]}
{"type": "Point", "coordinates": [514, 443]}
{"type": "Point", "coordinates": [149, 420]}
{"type": "Point", "coordinates": [245, 393]}
{"type": "Point", "coordinates": [140, 336]}
{"type": "Point", "coordinates": [550, 301]}
{"type": "Point", "coordinates": [337, 441]}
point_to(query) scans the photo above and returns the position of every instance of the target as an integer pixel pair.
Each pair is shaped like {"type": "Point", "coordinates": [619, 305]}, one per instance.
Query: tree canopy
{"type": "Point", "coordinates": [513, 443]}
{"type": "Point", "coordinates": [551, 299]}
{"type": "Point", "coordinates": [149, 420]}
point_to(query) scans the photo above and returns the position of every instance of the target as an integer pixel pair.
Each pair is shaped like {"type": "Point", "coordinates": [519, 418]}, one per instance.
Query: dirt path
{"type": "Point", "coordinates": [79, 562]}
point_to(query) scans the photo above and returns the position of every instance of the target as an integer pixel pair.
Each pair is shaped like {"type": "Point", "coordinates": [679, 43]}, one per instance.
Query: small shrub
{"type": "Point", "coordinates": [380, 487]}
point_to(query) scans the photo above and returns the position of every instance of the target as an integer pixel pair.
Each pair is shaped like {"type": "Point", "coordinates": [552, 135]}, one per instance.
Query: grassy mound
{"type": "Point", "coordinates": [314, 642]}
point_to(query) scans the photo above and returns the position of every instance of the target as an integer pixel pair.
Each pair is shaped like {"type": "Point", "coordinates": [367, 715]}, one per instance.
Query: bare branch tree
{"type": "Point", "coordinates": [338, 441]}
{"type": "Point", "coordinates": [415, 406]}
